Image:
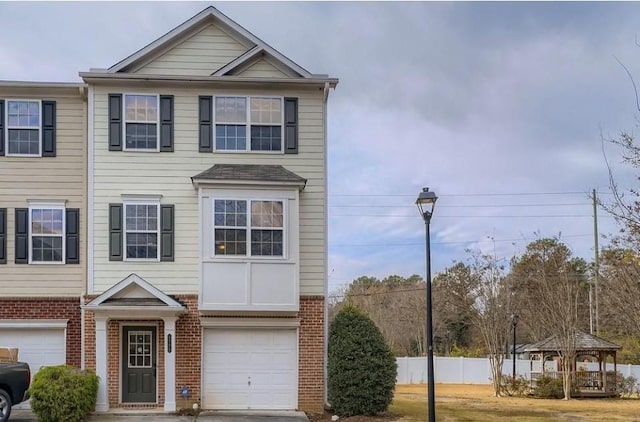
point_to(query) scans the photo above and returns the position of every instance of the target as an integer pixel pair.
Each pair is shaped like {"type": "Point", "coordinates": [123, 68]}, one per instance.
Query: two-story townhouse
{"type": "Point", "coordinates": [42, 220]}
{"type": "Point", "coordinates": [207, 224]}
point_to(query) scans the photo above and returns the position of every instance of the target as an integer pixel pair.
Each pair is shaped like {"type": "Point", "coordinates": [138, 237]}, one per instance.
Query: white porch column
{"type": "Point", "coordinates": [102, 404]}
{"type": "Point", "coordinates": [169, 364]}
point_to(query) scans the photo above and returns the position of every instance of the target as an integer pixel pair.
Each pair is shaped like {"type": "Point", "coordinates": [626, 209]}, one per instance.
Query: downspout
{"type": "Point", "coordinates": [88, 286]}
{"type": "Point", "coordinates": [326, 245]}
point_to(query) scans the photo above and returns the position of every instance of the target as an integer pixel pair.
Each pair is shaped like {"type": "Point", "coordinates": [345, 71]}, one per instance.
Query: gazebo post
{"type": "Point", "coordinates": [602, 383]}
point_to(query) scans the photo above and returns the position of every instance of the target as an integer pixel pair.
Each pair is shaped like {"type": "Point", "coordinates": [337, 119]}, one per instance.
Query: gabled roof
{"type": "Point", "coordinates": [252, 173]}
{"type": "Point", "coordinates": [134, 291]}
{"type": "Point", "coordinates": [584, 342]}
{"type": "Point", "coordinates": [207, 16]}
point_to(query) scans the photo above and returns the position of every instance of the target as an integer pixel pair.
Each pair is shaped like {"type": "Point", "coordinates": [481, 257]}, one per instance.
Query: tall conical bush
{"type": "Point", "coordinates": [362, 369]}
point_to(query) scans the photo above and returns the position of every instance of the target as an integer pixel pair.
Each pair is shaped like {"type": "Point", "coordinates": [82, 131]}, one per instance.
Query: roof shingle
{"type": "Point", "coordinates": [250, 172]}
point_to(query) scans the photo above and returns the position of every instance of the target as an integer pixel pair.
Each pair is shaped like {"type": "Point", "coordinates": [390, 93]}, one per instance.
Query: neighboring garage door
{"type": "Point", "coordinates": [38, 347]}
{"type": "Point", "coordinates": [250, 368]}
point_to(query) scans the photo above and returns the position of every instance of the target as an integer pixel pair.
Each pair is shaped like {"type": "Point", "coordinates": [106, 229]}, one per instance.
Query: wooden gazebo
{"type": "Point", "coordinates": [589, 369]}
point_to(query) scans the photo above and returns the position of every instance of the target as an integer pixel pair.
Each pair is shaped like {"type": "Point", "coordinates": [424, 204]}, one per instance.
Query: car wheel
{"type": "Point", "coordinates": [5, 406]}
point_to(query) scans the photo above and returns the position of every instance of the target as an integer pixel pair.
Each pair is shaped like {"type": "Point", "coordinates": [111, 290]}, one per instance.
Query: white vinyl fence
{"type": "Point", "coordinates": [475, 370]}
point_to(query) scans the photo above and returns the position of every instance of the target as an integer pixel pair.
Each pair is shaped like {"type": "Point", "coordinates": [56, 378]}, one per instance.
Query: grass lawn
{"type": "Point", "coordinates": [475, 403]}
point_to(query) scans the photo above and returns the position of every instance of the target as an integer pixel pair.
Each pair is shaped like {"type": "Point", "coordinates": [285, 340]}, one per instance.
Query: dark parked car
{"type": "Point", "coordinates": [15, 378]}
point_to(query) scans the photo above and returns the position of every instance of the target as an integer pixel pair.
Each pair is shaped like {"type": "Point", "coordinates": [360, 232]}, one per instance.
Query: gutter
{"type": "Point", "coordinates": [98, 77]}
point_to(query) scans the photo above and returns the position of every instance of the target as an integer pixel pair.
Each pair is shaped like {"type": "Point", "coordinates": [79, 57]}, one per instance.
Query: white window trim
{"type": "Point", "coordinates": [127, 202]}
{"type": "Point", "coordinates": [248, 125]}
{"type": "Point", "coordinates": [6, 128]}
{"type": "Point", "coordinates": [248, 227]}
{"type": "Point", "coordinates": [37, 205]}
{"type": "Point", "coordinates": [125, 121]}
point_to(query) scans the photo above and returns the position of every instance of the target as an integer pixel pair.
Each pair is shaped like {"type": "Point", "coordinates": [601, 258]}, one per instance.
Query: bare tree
{"type": "Point", "coordinates": [492, 307]}
{"type": "Point", "coordinates": [620, 290]}
{"type": "Point", "coordinates": [559, 281]}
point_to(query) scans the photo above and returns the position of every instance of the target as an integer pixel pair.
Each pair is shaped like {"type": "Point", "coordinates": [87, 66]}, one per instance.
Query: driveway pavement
{"type": "Point", "coordinates": [24, 415]}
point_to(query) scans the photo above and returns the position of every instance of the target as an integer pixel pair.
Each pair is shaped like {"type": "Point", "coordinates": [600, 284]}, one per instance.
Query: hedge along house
{"type": "Point", "coordinates": [208, 224]}
{"type": "Point", "coordinates": [42, 220]}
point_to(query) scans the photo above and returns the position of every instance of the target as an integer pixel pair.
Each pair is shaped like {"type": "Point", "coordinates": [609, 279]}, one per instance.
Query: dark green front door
{"type": "Point", "coordinates": [139, 364]}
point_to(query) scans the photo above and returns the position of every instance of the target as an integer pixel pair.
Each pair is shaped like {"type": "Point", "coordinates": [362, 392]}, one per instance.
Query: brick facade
{"type": "Point", "coordinates": [188, 352]}
{"type": "Point", "coordinates": [35, 308]}
{"type": "Point", "coordinates": [188, 349]}
{"type": "Point", "coordinates": [311, 354]}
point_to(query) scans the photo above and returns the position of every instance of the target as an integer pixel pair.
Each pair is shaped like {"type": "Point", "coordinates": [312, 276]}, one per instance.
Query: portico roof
{"type": "Point", "coordinates": [135, 295]}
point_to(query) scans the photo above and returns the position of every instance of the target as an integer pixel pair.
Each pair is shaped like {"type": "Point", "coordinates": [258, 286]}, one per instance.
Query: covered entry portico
{"type": "Point", "coordinates": [145, 354]}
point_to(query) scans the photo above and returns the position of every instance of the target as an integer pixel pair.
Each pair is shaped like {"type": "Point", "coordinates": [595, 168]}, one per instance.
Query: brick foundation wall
{"type": "Point", "coordinates": [35, 308]}
{"type": "Point", "coordinates": [311, 354]}
{"type": "Point", "coordinates": [188, 349]}
{"type": "Point", "coordinates": [188, 352]}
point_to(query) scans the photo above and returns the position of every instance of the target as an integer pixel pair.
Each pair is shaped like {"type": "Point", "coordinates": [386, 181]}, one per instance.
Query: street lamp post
{"type": "Point", "coordinates": [426, 202]}
{"type": "Point", "coordinates": [514, 322]}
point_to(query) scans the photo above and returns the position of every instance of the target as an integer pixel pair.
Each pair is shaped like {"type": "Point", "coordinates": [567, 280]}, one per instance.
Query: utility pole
{"type": "Point", "coordinates": [596, 257]}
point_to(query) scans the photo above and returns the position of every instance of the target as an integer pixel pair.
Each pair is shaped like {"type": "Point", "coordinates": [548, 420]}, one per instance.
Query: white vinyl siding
{"type": "Point", "coordinates": [200, 55]}
{"type": "Point", "coordinates": [261, 69]}
{"type": "Point", "coordinates": [62, 177]}
{"type": "Point", "coordinates": [170, 175]}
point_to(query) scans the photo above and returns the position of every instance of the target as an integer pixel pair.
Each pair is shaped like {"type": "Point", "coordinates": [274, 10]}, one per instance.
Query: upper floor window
{"type": "Point", "coordinates": [47, 232]}
{"type": "Point", "coordinates": [248, 123]}
{"type": "Point", "coordinates": [141, 122]}
{"type": "Point", "coordinates": [248, 227]}
{"type": "Point", "coordinates": [141, 230]}
{"type": "Point", "coordinates": [23, 127]}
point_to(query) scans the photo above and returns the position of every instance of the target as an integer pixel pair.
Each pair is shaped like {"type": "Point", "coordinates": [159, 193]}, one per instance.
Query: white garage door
{"type": "Point", "coordinates": [250, 369]}
{"type": "Point", "coordinates": [38, 347]}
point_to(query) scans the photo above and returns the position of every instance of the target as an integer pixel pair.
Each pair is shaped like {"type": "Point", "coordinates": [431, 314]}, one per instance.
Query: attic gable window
{"type": "Point", "coordinates": [141, 122]}
{"type": "Point", "coordinates": [248, 123]}
{"type": "Point", "coordinates": [23, 127]}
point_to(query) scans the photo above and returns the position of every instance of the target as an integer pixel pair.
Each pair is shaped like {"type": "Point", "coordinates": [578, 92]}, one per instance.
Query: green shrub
{"type": "Point", "coordinates": [549, 388]}
{"type": "Point", "coordinates": [362, 369]}
{"type": "Point", "coordinates": [63, 393]}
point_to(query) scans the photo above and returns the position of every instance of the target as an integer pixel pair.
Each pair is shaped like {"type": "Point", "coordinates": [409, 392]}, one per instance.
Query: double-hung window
{"type": "Point", "coordinates": [141, 230]}
{"type": "Point", "coordinates": [248, 123]}
{"type": "Point", "coordinates": [47, 230]}
{"type": "Point", "coordinates": [23, 119]}
{"type": "Point", "coordinates": [248, 227]}
{"type": "Point", "coordinates": [141, 122]}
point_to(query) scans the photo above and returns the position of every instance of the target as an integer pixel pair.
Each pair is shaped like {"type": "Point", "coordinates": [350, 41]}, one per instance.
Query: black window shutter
{"type": "Point", "coordinates": [115, 122]}
{"type": "Point", "coordinates": [115, 232]}
{"type": "Point", "coordinates": [22, 236]}
{"type": "Point", "coordinates": [166, 232]}
{"type": "Point", "coordinates": [48, 128]}
{"type": "Point", "coordinates": [72, 236]}
{"type": "Point", "coordinates": [166, 123]}
{"type": "Point", "coordinates": [290, 125]}
{"type": "Point", "coordinates": [3, 235]}
{"type": "Point", "coordinates": [1, 128]}
{"type": "Point", "coordinates": [205, 119]}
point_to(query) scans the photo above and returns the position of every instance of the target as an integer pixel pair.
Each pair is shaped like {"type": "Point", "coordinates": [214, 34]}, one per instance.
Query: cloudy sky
{"type": "Point", "coordinates": [498, 107]}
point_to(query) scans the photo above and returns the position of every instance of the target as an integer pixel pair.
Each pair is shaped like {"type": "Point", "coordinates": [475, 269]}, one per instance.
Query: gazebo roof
{"type": "Point", "coordinates": [584, 342]}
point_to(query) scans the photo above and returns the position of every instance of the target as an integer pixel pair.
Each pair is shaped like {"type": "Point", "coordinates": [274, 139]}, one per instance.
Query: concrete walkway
{"type": "Point", "coordinates": [23, 415]}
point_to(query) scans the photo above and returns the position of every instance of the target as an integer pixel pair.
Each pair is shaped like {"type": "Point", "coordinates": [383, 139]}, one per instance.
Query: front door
{"type": "Point", "coordinates": [139, 364]}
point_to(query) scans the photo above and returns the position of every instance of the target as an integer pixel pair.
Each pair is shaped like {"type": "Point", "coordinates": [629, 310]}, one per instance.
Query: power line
{"type": "Point", "coordinates": [336, 296]}
{"type": "Point", "coordinates": [448, 243]}
{"type": "Point", "coordinates": [465, 194]}
{"type": "Point", "coordinates": [473, 216]}
{"type": "Point", "coordinates": [465, 206]}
